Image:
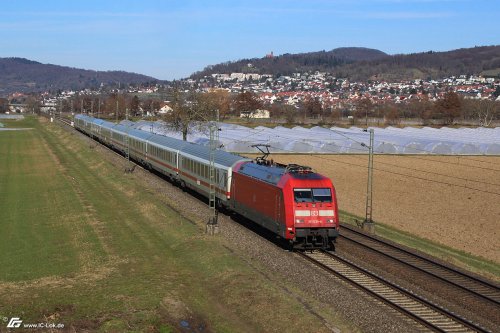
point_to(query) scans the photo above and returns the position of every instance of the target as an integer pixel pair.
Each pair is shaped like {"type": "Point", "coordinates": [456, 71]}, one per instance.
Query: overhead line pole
{"type": "Point", "coordinates": [368, 223]}
{"type": "Point", "coordinates": [212, 224]}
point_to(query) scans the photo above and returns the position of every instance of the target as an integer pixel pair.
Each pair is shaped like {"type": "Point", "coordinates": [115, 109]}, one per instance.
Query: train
{"type": "Point", "coordinates": [293, 202]}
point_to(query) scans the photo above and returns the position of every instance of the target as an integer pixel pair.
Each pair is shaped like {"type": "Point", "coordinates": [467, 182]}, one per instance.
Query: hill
{"type": "Point", "coordinates": [19, 74]}
{"type": "Point", "coordinates": [364, 64]}
{"type": "Point", "coordinates": [287, 64]}
{"type": "Point", "coordinates": [483, 60]}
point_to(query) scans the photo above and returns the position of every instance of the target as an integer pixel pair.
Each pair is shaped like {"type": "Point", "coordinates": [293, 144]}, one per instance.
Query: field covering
{"type": "Point", "coordinates": [84, 244]}
{"type": "Point", "coordinates": [450, 203]}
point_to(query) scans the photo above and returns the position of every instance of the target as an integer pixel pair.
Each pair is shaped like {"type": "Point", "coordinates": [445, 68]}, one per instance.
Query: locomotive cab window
{"type": "Point", "coordinates": [312, 195]}
{"type": "Point", "coordinates": [302, 195]}
{"type": "Point", "coordinates": [322, 194]}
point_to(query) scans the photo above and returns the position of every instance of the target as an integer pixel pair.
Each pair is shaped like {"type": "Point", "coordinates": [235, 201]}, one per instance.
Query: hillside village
{"type": "Point", "coordinates": [340, 92]}
{"type": "Point", "coordinates": [332, 93]}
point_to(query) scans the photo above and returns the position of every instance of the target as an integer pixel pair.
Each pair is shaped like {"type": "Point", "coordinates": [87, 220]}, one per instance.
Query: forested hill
{"type": "Point", "coordinates": [19, 74]}
{"type": "Point", "coordinates": [483, 60]}
{"type": "Point", "coordinates": [365, 64]}
{"type": "Point", "coordinates": [287, 64]}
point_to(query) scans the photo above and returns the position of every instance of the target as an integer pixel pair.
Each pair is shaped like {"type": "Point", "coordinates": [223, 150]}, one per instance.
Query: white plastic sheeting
{"type": "Point", "coordinates": [390, 140]}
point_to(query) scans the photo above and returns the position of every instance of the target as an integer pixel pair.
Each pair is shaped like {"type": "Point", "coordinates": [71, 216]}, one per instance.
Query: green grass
{"type": "Point", "coordinates": [90, 246]}
{"type": "Point", "coordinates": [29, 121]}
{"type": "Point", "coordinates": [34, 197]}
{"type": "Point", "coordinates": [457, 257]}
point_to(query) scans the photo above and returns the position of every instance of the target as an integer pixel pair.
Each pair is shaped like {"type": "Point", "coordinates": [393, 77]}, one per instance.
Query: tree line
{"type": "Point", "coordinates": [184, 108]}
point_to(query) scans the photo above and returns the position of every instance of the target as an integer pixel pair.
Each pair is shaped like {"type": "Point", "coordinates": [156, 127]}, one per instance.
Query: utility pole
{"type": "Point", "coordinates": [98, 107]}
{"type": "Point", "coordinates": [212, 224]}
{"type": "Point", "coordinates": [368, 223]}
{"type": "Point", "coordinates": [116, 109]}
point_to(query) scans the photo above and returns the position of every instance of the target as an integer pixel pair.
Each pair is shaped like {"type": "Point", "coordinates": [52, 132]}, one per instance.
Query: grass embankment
{"type": "Point", "coordinates": [459, 258]}
{"type": "Point", "coordinates": [27, 122]}
{"type": "Point", "coordinates": [86, 245]}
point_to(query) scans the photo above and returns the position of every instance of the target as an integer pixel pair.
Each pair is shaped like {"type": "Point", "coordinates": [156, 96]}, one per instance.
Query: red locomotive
{"type": "Point", "coordinates": [292, 201]}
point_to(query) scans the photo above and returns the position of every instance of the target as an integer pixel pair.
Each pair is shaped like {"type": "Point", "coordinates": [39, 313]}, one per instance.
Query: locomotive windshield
{"type": "Point", "coordinates": [312, 195]}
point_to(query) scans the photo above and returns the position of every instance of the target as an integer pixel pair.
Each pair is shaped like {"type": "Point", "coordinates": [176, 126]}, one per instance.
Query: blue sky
{"type": "Point", "coordinates": [171, 39]}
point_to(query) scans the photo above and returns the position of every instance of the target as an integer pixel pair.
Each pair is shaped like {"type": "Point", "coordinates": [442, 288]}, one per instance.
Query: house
{"type": "Point", "coordinates": [257, 114]}
{"type": "Point", "coordinates": [165, 109]}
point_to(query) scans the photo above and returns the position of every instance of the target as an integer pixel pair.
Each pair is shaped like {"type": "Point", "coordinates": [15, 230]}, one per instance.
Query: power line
{"type": "Point", "coordinates": [382, 152]}
{"type": "Point", "coordinates": [450, 163]}
{"type": "Point", "coordinates": [410, 176]}
{"type": "Point", "coordinates": [401, 174]}
{"type": "Point", "coordinates": [414, 169]}
{"type": "Point", "coordinates": [438, 174]}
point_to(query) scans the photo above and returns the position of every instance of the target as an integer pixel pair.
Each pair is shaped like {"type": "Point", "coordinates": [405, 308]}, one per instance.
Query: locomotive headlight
{"type": "Point", "coordinates": [299, 221]}
{"type": "Point", "coordinates": [329, 220]}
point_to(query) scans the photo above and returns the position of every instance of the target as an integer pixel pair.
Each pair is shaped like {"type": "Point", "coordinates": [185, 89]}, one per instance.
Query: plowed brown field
{"type": "Point", "coordinates": [429, 196]}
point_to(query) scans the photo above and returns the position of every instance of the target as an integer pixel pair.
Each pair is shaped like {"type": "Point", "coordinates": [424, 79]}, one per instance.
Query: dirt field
{"type": "Point", "coordinates": [453, 215]}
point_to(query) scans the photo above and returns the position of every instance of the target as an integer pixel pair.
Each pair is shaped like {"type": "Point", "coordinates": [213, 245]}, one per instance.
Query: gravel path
{"type": "Point", "coordinates": [311, 286]}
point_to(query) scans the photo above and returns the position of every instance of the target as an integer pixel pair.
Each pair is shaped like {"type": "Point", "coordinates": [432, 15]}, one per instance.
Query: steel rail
{"type": "Point", "coordinates": [474, 285]}
{"type": "Point", "coordinates": [421, 310]}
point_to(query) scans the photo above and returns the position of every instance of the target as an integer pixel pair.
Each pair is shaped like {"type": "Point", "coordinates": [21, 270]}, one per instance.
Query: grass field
{"type": "Point", "coordinates": [84, 244]}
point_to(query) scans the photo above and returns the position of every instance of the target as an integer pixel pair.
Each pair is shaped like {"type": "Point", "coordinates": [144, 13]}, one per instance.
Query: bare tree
{"type": "Point", "coordinates": [485, 111]}
{"type": "Point", "coordinates": [187, 108]}
{"type": "Point", "coordinates": [134, 105]}
{"type": "Point", "coordinates": [218, 99]}
{"type": "Point", "coordinates": [364, 108]}
{"type": "Point", "coordinates": [449, 107]}
{"type": "Point", "coordinates": [4, 105]}
{"type": "Point", "coordinates": [313, 107]}
{"type": "Point", "coordinates": [246, 103]}
{"type": "Point", "coordinates": [32, 104]}
{"type": "Point", "coordinates": [391, 114]}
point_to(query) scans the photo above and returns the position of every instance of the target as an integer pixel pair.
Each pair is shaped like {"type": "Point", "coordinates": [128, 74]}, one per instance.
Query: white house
{"type": "Point", "coordinates": [165, 109]}
{"type": "Point", "coordinates": [257, 114]}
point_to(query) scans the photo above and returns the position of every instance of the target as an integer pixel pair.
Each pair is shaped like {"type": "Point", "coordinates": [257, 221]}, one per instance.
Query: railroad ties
{"type": "Point", "coordinates": [421, 310]}
{"type": "Point", "coordinates": [478, 287]}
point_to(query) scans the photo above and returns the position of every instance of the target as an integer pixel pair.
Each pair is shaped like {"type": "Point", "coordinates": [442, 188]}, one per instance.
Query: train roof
{"type": "Point", "coordinates": [84, 117]}
{"type": "Point", "coordinates": [166, 141]}
{"type": "Point", "coordinates": [268, 174]}
{"type": "Point", "coordinates": [108, 124]}
{"type": "Point", "coordinates": [221, 157]}
{"type": "Point", "coordinates": [274, 172]}
{"type": "Point", "coordinates": [127, 130]}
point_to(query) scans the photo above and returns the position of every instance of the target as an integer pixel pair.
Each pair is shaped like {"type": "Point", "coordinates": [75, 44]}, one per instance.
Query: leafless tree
{"type": "Point", "coordinates": [187, 108]}
{"type": "Point", "coordinates": [485, 111]}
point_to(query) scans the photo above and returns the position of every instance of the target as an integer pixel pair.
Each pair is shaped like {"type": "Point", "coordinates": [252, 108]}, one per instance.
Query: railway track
{"type": "Point", "coordinates": [478, 287]}
{"type": "Point", "coordinates": [419, 309]}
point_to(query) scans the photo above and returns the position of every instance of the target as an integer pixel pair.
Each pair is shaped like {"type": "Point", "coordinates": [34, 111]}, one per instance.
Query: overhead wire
{"type": "Point", "coordinates": [438, 174]}
{"type": "Point", "coordinates": [401, 174]}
